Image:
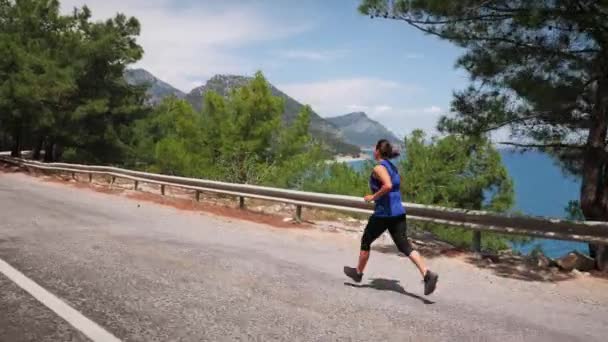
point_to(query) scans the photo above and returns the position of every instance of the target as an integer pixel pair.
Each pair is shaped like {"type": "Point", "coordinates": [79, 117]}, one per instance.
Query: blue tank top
{"type": "Point", "coordinates": [390, 204]}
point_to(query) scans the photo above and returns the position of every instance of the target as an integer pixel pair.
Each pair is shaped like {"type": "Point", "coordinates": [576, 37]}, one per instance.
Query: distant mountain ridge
{"type": "Point", "coordinates": [320, 128]}
{"type": "Point", "coordinates": [224, 84]}
{"type": "Point", "coordinates": [358, 129]}
{"type": "Point", "coordinates": [157, 89]}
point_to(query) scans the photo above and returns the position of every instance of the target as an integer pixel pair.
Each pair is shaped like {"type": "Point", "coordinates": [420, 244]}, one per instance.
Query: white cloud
{"type": "Point", "coordinates": [339, 96]}
{"type": "Point", "coordinates": [313, 55]}
{"type": "Point", "coordinates": [186, 44]}
{"type": "Point", "coordinates": [403, 120]}
{"type": "Point", "coordinates": [382, 109]}
{"type": "Point", "coordinates": [358, 108]}
{"type": "Point", "coordinates": [372, 110]}
{"type": "Point", "coordinates": [432, 110]}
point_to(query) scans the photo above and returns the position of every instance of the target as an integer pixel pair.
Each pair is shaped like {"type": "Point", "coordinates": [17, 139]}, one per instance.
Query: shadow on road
{"type": "Point", "coordinates": [389, 285]}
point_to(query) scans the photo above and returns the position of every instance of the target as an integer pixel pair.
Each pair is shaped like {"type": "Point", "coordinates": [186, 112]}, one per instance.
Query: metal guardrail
{"type": "Point", "coordinates": [478, 221]}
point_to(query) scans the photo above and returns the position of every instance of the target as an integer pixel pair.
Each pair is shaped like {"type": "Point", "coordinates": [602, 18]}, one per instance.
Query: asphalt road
{"type": "Point", "coordinates": [145, 272]}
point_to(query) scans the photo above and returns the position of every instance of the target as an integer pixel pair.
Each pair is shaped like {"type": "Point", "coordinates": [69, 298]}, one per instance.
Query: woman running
{"type": "Point", "coordinates": [389, 214]}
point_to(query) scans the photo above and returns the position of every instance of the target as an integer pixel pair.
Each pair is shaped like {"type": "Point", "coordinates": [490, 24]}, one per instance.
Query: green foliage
{"type": "Point", "coordinates": [170, 140]}
{"type": "Point", "coordinates": [532, 62]}
{"type": "Point", "coordinates": [247, 141]}
{"type": "Point", "coordinates": [33, 78]}
{"type": "Point", "coordinates": [462, 238]}
{"type": "Point", "coordinates": [574, 212]}
{"type": "Point", "coordinates": [105, 105]}
{"type": "Point", "coordinates": [460, 172]}
{"type": "Point", "coordinates": [456, 171]}
{"type": "Point", "coordinates": [251, 120]}
{"type": "Point", "coordinates": [295, 138]}
{"type": "Point", "coordinates": [338, 178]}
{"type": "Point", "coordinates": [61, 81]}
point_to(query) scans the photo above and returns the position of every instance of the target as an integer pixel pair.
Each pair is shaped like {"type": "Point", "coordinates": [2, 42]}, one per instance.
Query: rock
{"type": "Point", "coordinates": [517, 258]}
{"type": "Point", "coordinates": [546, 277]}
{"type": "Point", "coordinates": [543, 261]}
{"type": "Point", "coordinates": [493, 258]}
{"type": "Point", "coordinates": [419, 242]}
{"type": "Point", "coordinates": [575, 260]}
{"type": "Point", "coordinates": [540, 260]}
{"type": "Point", "coordinates": [505, 252]}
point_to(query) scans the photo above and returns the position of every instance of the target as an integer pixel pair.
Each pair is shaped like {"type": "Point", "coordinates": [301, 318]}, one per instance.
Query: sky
{"type": "Point", "coordinates": [322, 53]}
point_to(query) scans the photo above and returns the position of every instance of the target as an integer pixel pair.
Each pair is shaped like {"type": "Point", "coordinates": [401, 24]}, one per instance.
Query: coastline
{"type": "Point", "coordinates": [347, 159]}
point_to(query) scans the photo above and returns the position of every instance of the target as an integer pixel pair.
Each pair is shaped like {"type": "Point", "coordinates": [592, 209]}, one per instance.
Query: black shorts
{"type": "Point", "coordinates": [396, 226]}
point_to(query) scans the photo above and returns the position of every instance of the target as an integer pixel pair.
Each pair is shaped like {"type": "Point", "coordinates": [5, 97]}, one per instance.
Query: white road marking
{"type": "Point", "coordinates": [89, 328]}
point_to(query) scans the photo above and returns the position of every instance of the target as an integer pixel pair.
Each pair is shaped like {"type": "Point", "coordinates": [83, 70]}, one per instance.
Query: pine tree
{"type": "Point", "coordinates": [455, 171]}
{"type": "Point", "coordinates": [537, 67]}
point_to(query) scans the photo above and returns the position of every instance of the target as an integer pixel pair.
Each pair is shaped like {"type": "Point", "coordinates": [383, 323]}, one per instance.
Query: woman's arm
{"type": "Point", "coordinates": [382, 174]}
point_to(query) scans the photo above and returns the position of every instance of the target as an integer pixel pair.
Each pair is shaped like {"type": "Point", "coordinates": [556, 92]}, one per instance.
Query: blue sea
{"type": "Point", "coordinates": [541, 189]}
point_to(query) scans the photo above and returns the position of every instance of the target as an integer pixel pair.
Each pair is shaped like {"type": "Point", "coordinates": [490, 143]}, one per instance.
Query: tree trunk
{"type": "Point", "coordinates": [594, 187]}
{"type": "Point", "coordinates": [37, 149]}
{"type": "Point", "coordinates": [601, 257]}
{"type": "Point", "coordinates": [16, 149]}
{"type": "Point", "coordinates": [57, 152]}
{"type": "Point", "coordinates": [4, 142]}
{"type": "Point", "coordinates": [49, 148]}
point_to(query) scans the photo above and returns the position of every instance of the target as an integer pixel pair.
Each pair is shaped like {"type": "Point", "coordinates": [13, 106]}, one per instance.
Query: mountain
{"type": "Point", "coordinates": [319, 127]}
{"type": "Point", "coordinates": [358, 129]}
{"type": "Point", "coordinates": [157, 89]}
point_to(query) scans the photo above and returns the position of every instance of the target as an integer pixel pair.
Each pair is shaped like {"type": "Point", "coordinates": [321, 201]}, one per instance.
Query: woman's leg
{"type": "Point", "coordinates": [416, 258]}
{"type": "Point", "coordinates": [363, 258]}
{"type": "Point", "coordinates": [398, 231]}
{"type": "Point", "coordinates": [375, 227]}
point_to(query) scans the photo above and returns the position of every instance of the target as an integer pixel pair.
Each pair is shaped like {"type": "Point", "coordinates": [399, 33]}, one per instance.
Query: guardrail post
{"type": "Point", "coordinates": [90, 178]}
{"type": "Point", "coordinates": [241, 202]}
{"type": "Point", "coordinates": [135, 185]}
{"type": "Point", "coordinates": [298, 217]}
{"type": "Point", "coordinates": [198, 196]}
{"type": "Point", "coordinates": [476, 246]}
{"type": "Point", "coordinates": [73, 175]}
{"type": "Point", "coordinates": [112, 180]}
{"type": "Point", "coordinates": [162, 189]}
